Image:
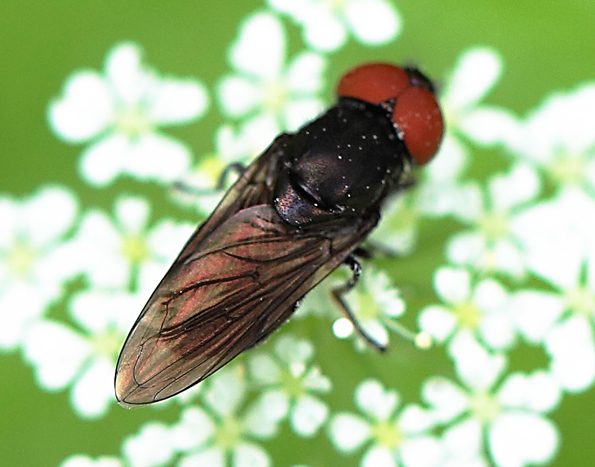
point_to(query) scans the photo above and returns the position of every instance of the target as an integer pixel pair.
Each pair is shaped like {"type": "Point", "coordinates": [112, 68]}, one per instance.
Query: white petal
{"type": "Point", "coordinates": [93, 393]}
{"type": "Point", "coordinates": [178, 101]}
{"type": "Point", "coordinates": [518, 439]}
{"type": "Point", "coordinates": [375, 401]}
{"type": "Point", "coordinates": [252, 138]}
{"type": "Point", "coordinates": [476, 72]}
{"type": "Point", "coordinates": [125, 72]}
{"type": "Point", "coordinates": [324, 32]}
{"type": "Point", "coordinates": [239, 96]}
{"type": "Point", "coordinates": [491, 125]}
{"type": "Point", "coordinates": [263, 416]}
{"type": "Point", "coordinates": [304, 74]}
{"type": "Point", "coordinates": [157, 157]}
{"type": "Point", "coordinates": [85, 110]}
{"type": "Point", "coordinates": [151, 447]}
{"type": "Point", "coordinates": [292, 350]}
{"type": "Point", "coordinates": [437, 321]}
{"type": "Point", "coordinates": [308, 415]}
{"type": "Point", "coordinates": [519, 185]}
{"type": "Point", "coordinates": [414, 419]}
{"type": "Point", "coordinates": [466, 248]}
{"type": "Point", "coordinates": [49, 214]}
{"type": "Point", "coordinates": [132, 214]}
{"type": "Point", "coordinates": [478, 368]}
{"type": "Point", "coordinates": [452, 285]}
{"type": "Point", "coordinates": [297, 112]}
{"type": "Point", "coordinates": [30, 303]}
{"type": "Point", "coordinates": [79, 460]}
{"type": "Point", "coordinates": [376, 330]}
{"type": "Point", "coordinates": [102, 162]}
{"type": "Point", "coordinates": [226, 390]}
{"type": "Point", "coordinates": [538, 391]}
{"type": "Point", "coordinates": [372, 21]}
{"type": "Point", "coordinates": [449, 163]}
{"type": "Point", "coordinates": [447, 400]}
{"type": "Point", "coordinates": [166, 238]}
{"type": "Point", "coordinates": [463, 440]}
{"type": "Point", "coordinates": [572, 348]}
{"type": "Point", "coordinates": [260, 49]}
{"type": "Point", "coordinates": [315, 381]}
{"type": "Point", "coordinates": [263, 369]}
{"type": "Point", "coordinates": [56, 351]}
{"type": "Point", "coordinates": [348, 432]}
{"type": "Point", "coordinates": [535, 312]}
{"type": "Point", "coordinates": [555, 250]}
{"type": "Point", "coordinates": [213, 457]}
{"type": "Point", "coordinates": [193, 430]}
{"type": "Point", "coordinates": [422, 451]}
{"type": "Point", "coordinates": [378, 456]}
{"type": "Point", "coordinates": [250, 455]}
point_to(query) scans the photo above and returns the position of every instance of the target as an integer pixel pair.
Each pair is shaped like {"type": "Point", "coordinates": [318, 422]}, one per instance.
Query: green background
{"type": "Point", "coordinates": [546, 46]}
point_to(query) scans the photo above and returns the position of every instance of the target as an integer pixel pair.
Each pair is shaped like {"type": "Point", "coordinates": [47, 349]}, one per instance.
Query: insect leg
{"type": "Point", "coordinates": [338, 293]}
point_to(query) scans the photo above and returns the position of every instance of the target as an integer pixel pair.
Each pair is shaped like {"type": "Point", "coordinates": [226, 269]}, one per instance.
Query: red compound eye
{"type": "Point", "coordinates": [416, 113]}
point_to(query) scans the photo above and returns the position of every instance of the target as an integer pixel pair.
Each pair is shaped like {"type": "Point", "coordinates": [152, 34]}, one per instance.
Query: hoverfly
{"type": "Point", "coordinates": [300, 210]}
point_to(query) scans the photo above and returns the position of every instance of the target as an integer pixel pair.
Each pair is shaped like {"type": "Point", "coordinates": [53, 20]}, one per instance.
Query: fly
{"type": "Point", "coordinates": [299, 211]}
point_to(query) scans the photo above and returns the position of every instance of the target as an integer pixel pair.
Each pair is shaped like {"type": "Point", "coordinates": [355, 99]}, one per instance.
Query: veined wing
{"type": "Point", "coordinates": [238, 287]}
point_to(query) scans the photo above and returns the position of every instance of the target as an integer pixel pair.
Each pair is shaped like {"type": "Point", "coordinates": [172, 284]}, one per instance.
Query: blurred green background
{"type": "Point", "coordinates": [545, 45]}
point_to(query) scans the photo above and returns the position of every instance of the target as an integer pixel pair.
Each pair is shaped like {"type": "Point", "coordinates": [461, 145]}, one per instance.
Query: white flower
{"type": "Point", "coordinates": [489, 245]}
{"type": "Point", "coordinates": [217, 435]}
{"type": "Point", "coordinates": [559, 137]}
{"type": "Point", "coordinates": [475, 74]}
{"type": "Point", "coordinates": [480, 309]}
{"type": "Point", "coordinates": [509, 420]}
{"type": "Point", "coordinates": [35, 259]}
{"type": "Point", "coordinates": [119, 112]}
{"type": "Point", "coordinates": [120, 252]}
{"type": "Point", "coordinates": [84, 357]}
{"type": "Point", "coordinates": [266, 94]}
{"type": "Point", "coordinates": [558, 237]}
{"type": "Point", "coordinates": [79, 460]}
{"type": "Point", "coordinates": [374, 303]}
{"type": "Point", "coordinates": [290, 387]}
{"type": "Point", "coordinates": [395, 438]}
{"type": "Point", "coordinates": [151, 447]}
{"type": "Point", "coordinates": [326, 23]}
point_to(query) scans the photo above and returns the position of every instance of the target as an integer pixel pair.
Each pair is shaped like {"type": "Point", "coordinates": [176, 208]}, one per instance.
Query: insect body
{"type": "Point", "coordinates": [300, 210]}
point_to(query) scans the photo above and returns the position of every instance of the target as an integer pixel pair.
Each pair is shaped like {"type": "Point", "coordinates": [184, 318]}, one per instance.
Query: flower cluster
{"type": "Point", "coordinates": [511, 278]}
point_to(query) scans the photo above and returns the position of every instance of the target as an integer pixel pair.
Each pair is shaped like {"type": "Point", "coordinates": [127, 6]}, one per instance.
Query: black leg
{"type": "Point", "coordinates": [338, 293]}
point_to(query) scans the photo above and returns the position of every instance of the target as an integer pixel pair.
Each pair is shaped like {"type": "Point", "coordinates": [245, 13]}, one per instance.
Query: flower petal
{"type": "Point", "coordinates": [348, 432]}
{"type": "Point", "coordinates": [178, 101]}
{"type": "Point", "coordinates": [372, 21]}
{"type": "Point", "coordinates": [85, 109]}
{"type": "Point", "coordinates": [260, 48]}
{"type": "Point", "coordinates": [518, 439]}
{"type": "Point", "coordinates": [476, 72]}
{"type": "Point", "coordinates": [308, 415]}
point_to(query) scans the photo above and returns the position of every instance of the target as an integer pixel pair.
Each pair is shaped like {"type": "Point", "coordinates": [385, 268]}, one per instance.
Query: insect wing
{"type": "Point", "coordinates": [241, 285]}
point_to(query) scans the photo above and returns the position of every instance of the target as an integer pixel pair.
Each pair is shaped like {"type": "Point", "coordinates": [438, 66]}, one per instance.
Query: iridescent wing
{"type": "Point", "coordinates": [237, 280]}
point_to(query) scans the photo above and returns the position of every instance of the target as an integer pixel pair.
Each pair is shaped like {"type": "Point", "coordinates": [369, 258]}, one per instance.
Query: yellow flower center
{"type": "Point", "coordinates": [133, 121]}
{"type": "Point", "coordinates": [228, 433]}
{"type": "Point", "coordinates": [134, 248]}
{"type": "Point", "coordinates": [467, 314]}
{"type": "Point", "coordinates": [567, 169]}
{"type": "Point", "coordinates": [20, 259]}
{"type": "Point", "coordinates": [493, 225]}
{"type": "Point", "coordinates": [484, 407]}
{"type": "Point", "coordinates": [581, 301]}
{"type": "Point", "coordinates": [387, 434]}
